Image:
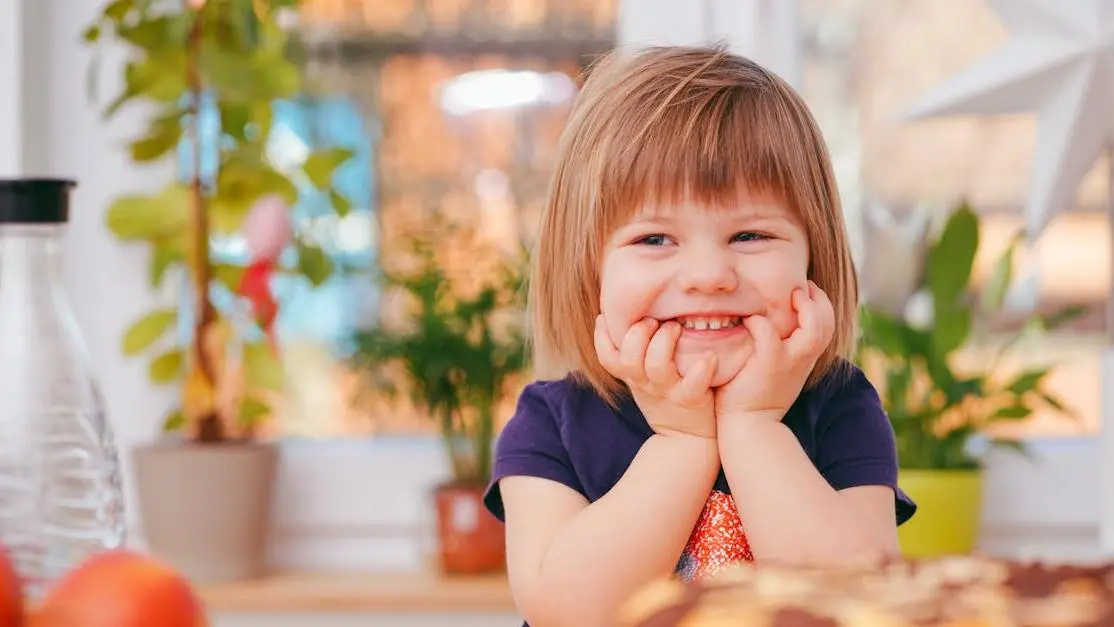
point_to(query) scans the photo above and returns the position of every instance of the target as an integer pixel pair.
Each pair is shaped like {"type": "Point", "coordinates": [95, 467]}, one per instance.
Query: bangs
{"type": "Point", "coordinates": [705, 147]}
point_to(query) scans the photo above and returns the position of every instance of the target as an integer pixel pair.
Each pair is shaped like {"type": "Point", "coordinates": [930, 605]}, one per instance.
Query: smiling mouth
{"type": "Point", "coordinates": [709, 323]}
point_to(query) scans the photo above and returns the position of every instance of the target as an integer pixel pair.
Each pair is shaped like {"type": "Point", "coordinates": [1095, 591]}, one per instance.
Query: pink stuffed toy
{"type": "Point", "coordinates": [267, 231]}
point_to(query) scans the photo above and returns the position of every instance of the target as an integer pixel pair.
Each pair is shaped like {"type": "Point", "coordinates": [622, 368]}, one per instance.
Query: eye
{"type": "Point", "coordinates": [656, 239]}
{"type": "Point", "coordinates": [750, 236]}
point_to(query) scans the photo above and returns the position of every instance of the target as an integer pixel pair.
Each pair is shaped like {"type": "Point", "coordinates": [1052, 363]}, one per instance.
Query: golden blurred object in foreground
{"type": "Point", "coordinates": [968, 591]}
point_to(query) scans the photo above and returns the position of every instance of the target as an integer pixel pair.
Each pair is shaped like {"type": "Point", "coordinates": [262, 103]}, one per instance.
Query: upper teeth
{"type": "Point", "coordinates": [703, 323]}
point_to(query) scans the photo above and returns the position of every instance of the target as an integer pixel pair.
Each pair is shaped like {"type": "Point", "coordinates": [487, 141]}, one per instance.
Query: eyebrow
{"type": "Point", "coordinates": [755, 213]}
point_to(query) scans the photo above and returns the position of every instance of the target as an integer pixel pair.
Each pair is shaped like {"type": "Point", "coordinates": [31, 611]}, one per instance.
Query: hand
{"type": "Point", "coordinates": [671, 403]}
{"type": "Point", "coordinates": [772, 377]}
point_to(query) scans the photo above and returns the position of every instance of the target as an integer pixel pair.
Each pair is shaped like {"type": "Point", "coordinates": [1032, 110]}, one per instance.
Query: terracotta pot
{"type": "Point", "coordinates": [470, 540]}
{"type": "Point", "coordinates": [206, 508]}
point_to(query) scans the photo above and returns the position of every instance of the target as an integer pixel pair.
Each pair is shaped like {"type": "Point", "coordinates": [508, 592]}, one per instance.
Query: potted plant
{"type": "Point", "coordinates": [937, 405]}
{"type": "Point", "coordinates": [455, 353]}
{"type": "Point", "coordinates": [209, 73]}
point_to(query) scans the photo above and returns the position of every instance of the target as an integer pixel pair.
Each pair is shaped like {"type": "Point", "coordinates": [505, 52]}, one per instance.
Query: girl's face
{"type": "Point", "coordinates": [708, 269]}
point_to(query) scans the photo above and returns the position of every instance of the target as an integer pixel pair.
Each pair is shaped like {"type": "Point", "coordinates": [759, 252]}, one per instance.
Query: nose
{"type": "Point", "coordinates": [708, 269]}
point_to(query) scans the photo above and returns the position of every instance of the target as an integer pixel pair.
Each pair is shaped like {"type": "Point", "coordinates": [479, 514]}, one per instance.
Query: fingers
{"type": "Point", "coordinates": [815, 323]}
{"type": "Point", "coordinates": [661, 370]}
{"type": "Point", "coordinates": [645, 354]}
{"type": "Point", "coordinates": [632, 350]}
{"type": "Point", "coordinates": [606, 350]}
{"type": "Point", "coordinates": [646, 358]}
{"type": "Point", "coordinates": [766, 338]}
{"type": "Point", "coordinates": [698, 378]}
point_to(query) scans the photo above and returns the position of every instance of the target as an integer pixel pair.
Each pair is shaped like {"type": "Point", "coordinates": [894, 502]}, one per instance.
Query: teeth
{"type": "Point", "coordinates": [712, 323]}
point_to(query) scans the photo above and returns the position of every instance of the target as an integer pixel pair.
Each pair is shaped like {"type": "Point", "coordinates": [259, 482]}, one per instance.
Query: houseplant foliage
{"type": "Point", "coordinates": [455, 355]}
{"type": "Point", "coordinates": [209, 73]}
{"type": "Point", "coordinates": [458, 348]}
{"type": "Point", "coordinates": [232, 57]}
{"type": "Point", "coordinates": [938, 406]}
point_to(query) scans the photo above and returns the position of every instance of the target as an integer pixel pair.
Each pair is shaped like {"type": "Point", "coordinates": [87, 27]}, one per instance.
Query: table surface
{"type": "Point", "coordinates": [370, 593]}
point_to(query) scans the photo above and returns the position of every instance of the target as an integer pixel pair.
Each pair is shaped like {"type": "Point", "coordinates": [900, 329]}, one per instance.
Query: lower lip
{"type": "Point", "coordinates": [713, 334]}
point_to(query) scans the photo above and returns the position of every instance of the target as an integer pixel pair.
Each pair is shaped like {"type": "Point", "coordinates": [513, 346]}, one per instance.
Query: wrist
{"type": "Point", "coordinates": [749, 424]}
{"type": "Point", "coordinates": [682, 422]}
{"type": "Point", "coordinates": [697, 445]}
{"type": "Point", "coordinates": [746, 416]}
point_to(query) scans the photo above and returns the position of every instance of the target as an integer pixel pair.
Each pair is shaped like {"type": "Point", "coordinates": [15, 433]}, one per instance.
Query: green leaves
{"type": "Point", "coordinates": [456, 351]}
{"type": "Point", "coordinates": [1027, 381]}
{"type": "Point", "coordinates": [162, 137]}
{"type": "Point", "coordinates": [229, 55]}
{"type": "Point", "coordinates": [150, 217]}
{"type": "Point", "coordinates": [885, 333]}
{"type": "Point", "coordinates": [167, 367]}
{"type": "Point", "coordinates": [263, 367]}
{"type": "Point", "coordinates": [935, 406]}
{"type": "Point", "coordinates": [174, 421]}
{"type": "Point", "coordinates": [164, 252]}
{"type": "Point", "coordinates": [320, 168]}
{"type": "Point", "coordinates": [252, 411]}
{"type": "Point", "coordinates": [998, 285]}
{"type": "Point", "coordinates": [950, 261]}
{"type": "Point", "coordinates": [244, 178]}
{"type": "Point", "coordinates": [313, 263]}
{"type": "Point", "coordinates": [950, 328]}
{"type": "Point", "coordinates": [147, 330]}
{"type": "Point", "coordinates": [321, 165]}
{"type": "Point", "coordinates": [341, 205]}
{"type": "Point", "coordinates": [951, 258]}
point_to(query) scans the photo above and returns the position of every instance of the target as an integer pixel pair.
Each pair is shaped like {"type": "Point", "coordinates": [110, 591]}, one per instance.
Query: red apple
{"type": "Point", "coordinates": [120, 589]}
{"type": "Point", "coordinates": [11, 593]}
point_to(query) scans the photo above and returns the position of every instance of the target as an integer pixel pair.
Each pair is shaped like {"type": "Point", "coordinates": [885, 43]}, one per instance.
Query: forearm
{"type": "Point", "coordinates": [790, 512]}
{"type": "Point", "coordinates": [630, 536]}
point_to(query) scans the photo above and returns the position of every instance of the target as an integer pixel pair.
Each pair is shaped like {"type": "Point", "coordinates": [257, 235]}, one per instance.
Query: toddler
{"type": "Point", "coordinates": [693, 303]}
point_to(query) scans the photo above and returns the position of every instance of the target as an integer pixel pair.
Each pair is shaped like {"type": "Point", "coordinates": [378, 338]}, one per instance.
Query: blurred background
{"type": "Point", "coordinates": [450, 110]}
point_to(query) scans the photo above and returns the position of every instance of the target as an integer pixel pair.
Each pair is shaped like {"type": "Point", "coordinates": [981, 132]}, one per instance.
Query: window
{"type": "Point", "coordinates": [314, 323]}
{"type": "Point", "coordinates": [862, 64]}
{"type": "Point", "coordinates": [454, 108]}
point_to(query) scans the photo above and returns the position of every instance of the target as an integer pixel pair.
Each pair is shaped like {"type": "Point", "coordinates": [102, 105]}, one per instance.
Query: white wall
{"type": "Point", "coordinates": [11, 73]}
{"type": "Point", "coordinates": [363, 505]}
{"type": "Point", "coordinates": [64, 135]}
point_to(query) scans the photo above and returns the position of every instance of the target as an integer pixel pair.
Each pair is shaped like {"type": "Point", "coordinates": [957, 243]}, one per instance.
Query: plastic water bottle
{"type": "Point", "coordinates": [60, 493]}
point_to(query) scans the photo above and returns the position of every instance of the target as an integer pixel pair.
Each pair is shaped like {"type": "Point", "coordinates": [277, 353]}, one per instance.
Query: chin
{"type": "Point", "coordinates": [727, 366]}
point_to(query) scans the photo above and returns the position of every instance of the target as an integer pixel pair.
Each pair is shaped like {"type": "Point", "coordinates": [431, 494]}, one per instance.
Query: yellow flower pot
{"type": "Point", "coordinates": [949, 509]}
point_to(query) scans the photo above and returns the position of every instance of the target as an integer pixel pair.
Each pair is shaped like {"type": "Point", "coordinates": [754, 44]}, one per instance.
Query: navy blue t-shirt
{"type": "Point", "coordinates": [565, 432]}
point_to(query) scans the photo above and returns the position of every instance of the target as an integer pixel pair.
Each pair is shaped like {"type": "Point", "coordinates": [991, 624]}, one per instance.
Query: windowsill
{"type": "Point", "coordinates": [366, 593]}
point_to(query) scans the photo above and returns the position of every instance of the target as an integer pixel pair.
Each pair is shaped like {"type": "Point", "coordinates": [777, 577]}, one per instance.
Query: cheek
{"type": "Point", "coordinates": [626, 296]}
{"type": "Point", "coordinates": [776, 283]}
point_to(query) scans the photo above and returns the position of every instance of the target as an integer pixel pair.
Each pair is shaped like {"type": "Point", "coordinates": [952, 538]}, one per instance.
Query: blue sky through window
{"type": "Point", "coordinates": [332, 311]}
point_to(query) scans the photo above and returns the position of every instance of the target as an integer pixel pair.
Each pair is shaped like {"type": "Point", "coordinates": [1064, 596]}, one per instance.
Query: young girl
{"type": "Point", "coordinates": [694, 300]}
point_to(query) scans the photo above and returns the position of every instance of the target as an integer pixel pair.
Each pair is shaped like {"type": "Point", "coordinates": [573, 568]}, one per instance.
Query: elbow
{"type": "Point", "coordinates": [543, 610]}
{"type": "Point", "coordinates": [848, 550]}
{"type": "Point", "coordinates": [865, 551]}
{"type": "Point", "coordinates": [554, 614]}
{"type": "Point", "coordinates": [554, 605]}
{"type": "Point", "coordinates": [861, 548]}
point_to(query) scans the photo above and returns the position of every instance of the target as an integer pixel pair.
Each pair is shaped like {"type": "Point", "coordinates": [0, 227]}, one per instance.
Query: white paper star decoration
{"type": "Point", "coordinates": [1058, 63]}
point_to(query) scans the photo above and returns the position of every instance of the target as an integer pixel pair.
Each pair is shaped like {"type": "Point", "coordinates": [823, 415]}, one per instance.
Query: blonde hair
{"type": "Point", "coordinates": [669, 125]}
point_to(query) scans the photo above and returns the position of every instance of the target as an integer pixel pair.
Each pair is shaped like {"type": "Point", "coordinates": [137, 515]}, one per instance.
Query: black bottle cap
{"type": "Point", "coordinates": [35, 200]}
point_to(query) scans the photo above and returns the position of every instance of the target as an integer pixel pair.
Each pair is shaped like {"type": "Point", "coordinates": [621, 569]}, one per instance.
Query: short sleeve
{"type": "Point", "coordinates": [530, 444]}
{"type": "Point", "coordinates": [855, 440]}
